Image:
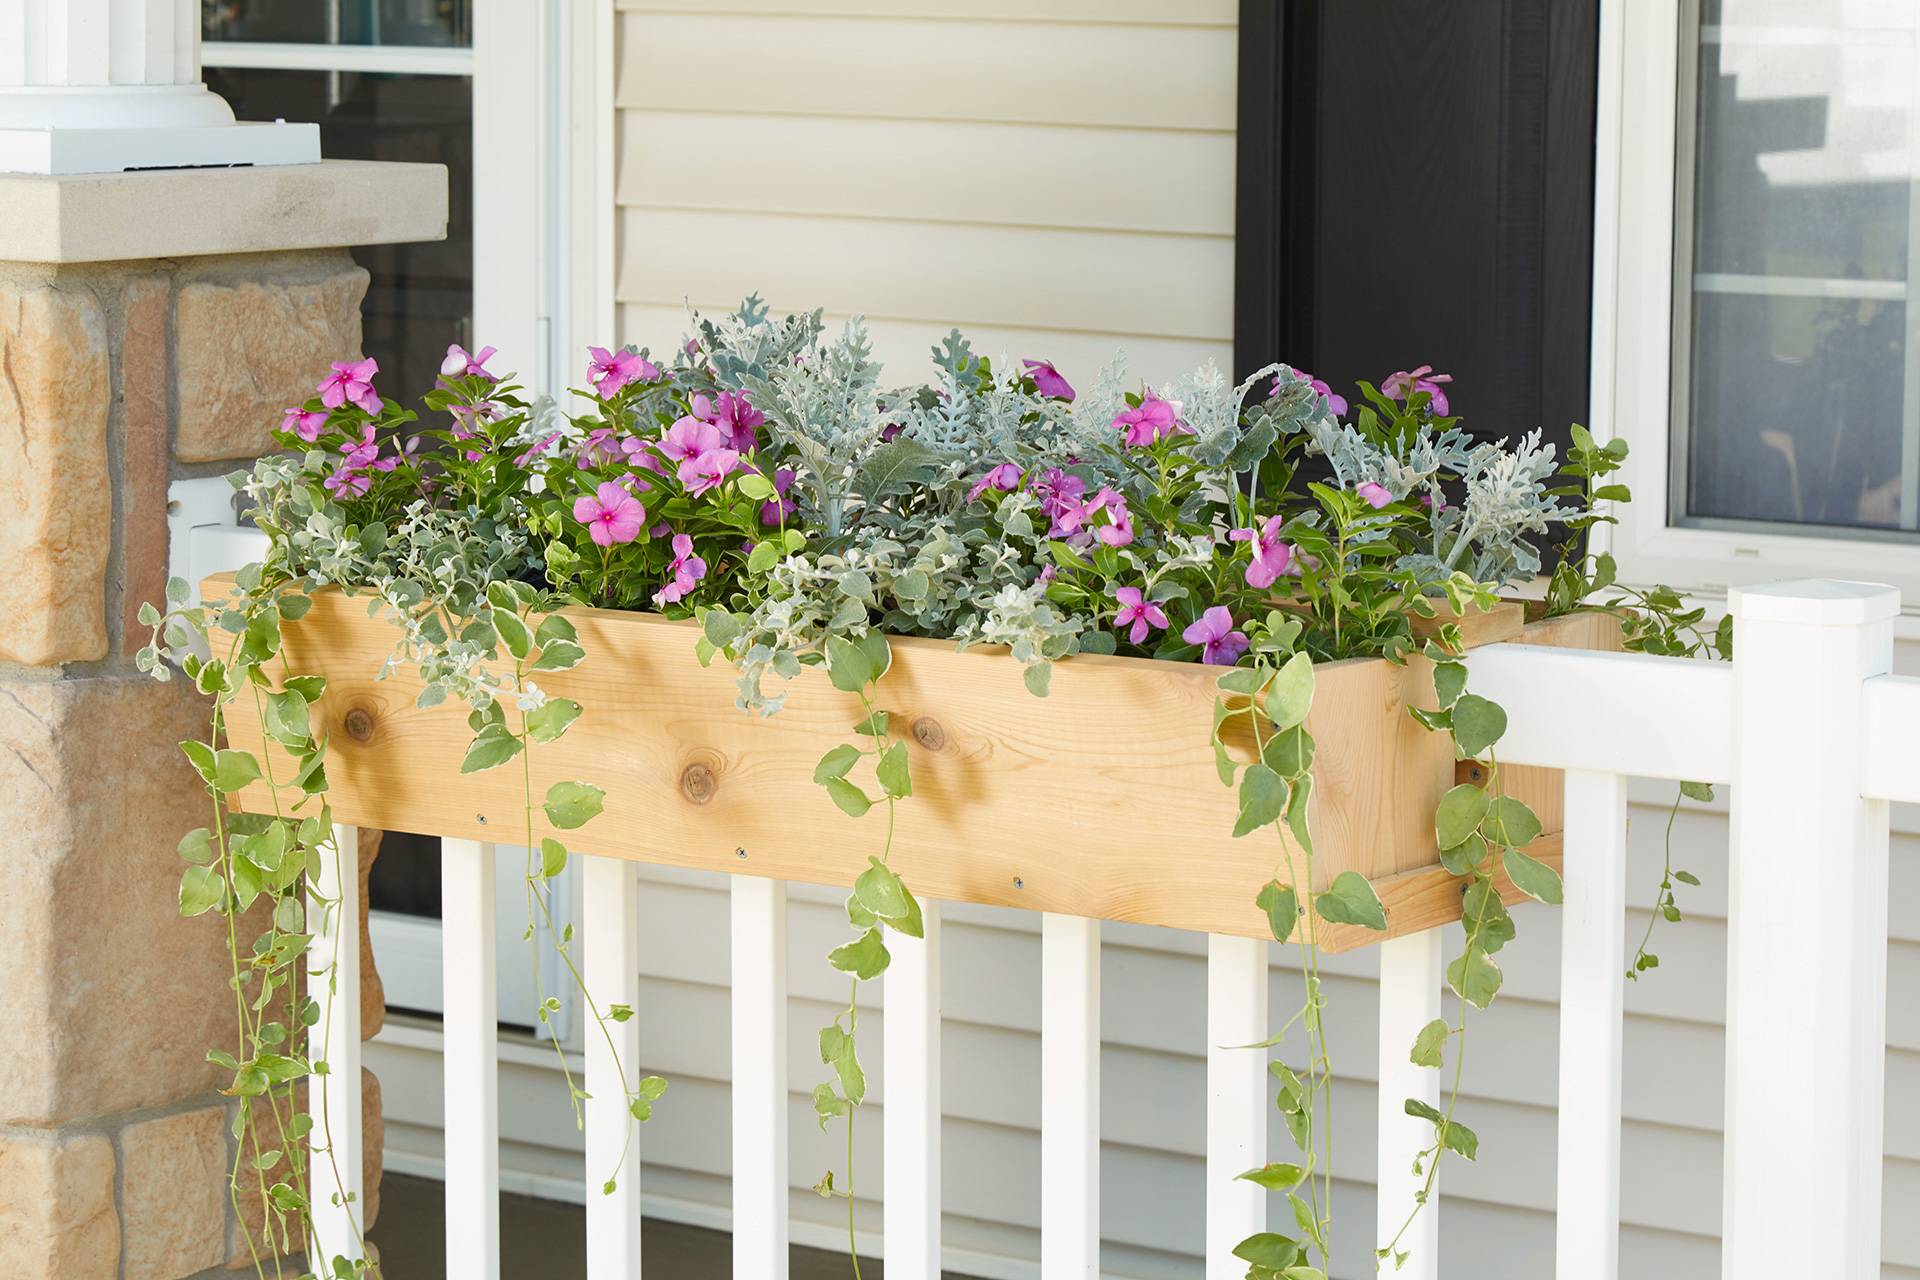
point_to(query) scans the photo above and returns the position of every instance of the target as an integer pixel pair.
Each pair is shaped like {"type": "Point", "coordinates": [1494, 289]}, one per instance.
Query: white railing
{"type": "Point", "coordinates": [1815, 738]}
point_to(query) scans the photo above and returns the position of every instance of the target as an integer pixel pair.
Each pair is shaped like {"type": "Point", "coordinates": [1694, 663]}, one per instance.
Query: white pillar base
{"type": "Point", "coordinates": [111, 150]}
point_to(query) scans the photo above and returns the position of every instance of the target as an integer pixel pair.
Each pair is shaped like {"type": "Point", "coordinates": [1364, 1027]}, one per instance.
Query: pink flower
{"type": "Point", "coordinates": [691, 346]}
{"type": "Point", "coordinates": [1400, 385]}
{"type": "Point", "coordinates": [776, 509]}
{"type": "Point", "coordinates": [344, 484]}
{"type": "Point", "coordinates": [1118, 531]}
{"type": "Point", "coordinates": [351, 381]}
{"type": "Point", "coordinates": [461, 363]}
{"type": "Point", "coordinates": [1221, 645]}
{"type": "Point", "coordinates": [598, 449]}
{"type": "Point", "coordinates": [1271, 557]}
{"type": "Point", "coordinates": [1006, 477]}
{"type": "Point", "coordinates": [535, 449]}
{"type": "Point", "coordinates": [1135, 608]}
{"type": "Point", "coordinates": [468, 417]}
{"type": "Point", "coordinates": [704, 473]}
{"type": "Point", "coordinates": [1376, 495]}
{"type": "Point", "coordinates": [611, 514]}
{"type": "Point", "coordinates": [1154, 419]}
{"type": "Point", "coordinates": [1048, 573]}
{"type": "Point", "coordinates": [689, 437]}
{"type": "Point", "coordinates": [1060, 493]}
{"type": "Point", "coordinates": [1433, 503]}
{"type": "Point", "coordinates": [610, 371]}
{"type": "Point", "coordinates": [888, 432]}
{"type": "Point", "coordinates": [303, 423]}
{"type": "Point", "coordinates": [687, 569]}
{"type": "Point", "coordinates": [1336, 405]}
{"type": "Point", "coordinates": [363, 453]}
{"type": "Point", "coordinates": [1047, 380]}
{"type": "Point", "coordinates": [733, 415]}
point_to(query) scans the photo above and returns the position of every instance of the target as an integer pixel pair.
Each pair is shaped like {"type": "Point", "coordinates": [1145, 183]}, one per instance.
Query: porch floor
{"type": "Point", "coordinates": [547, 1238]}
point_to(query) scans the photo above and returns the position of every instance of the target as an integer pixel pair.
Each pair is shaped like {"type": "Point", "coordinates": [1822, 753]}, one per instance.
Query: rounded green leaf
{"type": "Point", "coordinates": [1477, 725]}
{"type": "Point", "coordinates": [1459, 814]}
{"type": "Point", "coordinates": [1534, 878]}
{"type": "Point", "coordinates": [1289, 694]}
{"type": "Point", "coordinates": [1351, 900]}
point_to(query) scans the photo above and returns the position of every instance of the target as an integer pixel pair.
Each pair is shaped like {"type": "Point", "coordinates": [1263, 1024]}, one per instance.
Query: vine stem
{"type": "Point", "coordinates": [1666, 887]}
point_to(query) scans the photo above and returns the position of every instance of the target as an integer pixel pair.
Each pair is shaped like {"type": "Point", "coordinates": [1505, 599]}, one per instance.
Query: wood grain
{"type": "Point", "coordinates": [1101, 800]}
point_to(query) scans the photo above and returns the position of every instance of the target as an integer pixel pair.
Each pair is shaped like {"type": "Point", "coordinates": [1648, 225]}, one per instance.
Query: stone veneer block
{"type": "Point", "coordinates": [143, 453]}
{"type": "Point", "coordinates": [173, 1205]}
{"type": "Point", "coordinates": [373, 1142]}
{"type": "Point", "coordinates": [55, 495]}
{"type": "Point", "coordinates": [57, 1219]}
{"type": "Point", "coordinates": [109, 999]}
{"type": "Point", "coordinates": [181, 213]}
{"type": "Point", "coordinates": [246, 349]}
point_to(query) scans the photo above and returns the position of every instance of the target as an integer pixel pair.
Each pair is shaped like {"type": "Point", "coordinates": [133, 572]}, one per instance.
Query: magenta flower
{"type": "Point", "coordinates": [1048, 573]}
{"type": "Point", "coordinates": [689, 437]}
{"type": "Point", "coordinates": [1060, 493]}
{"type": "Point", "coordinates": [1141, 612]}
{"type": "Point", "coordinates": [344, 484]}
{"type": "Point", "coordinates": [468, 417]}
{"type": "Point", "coordinates": [1271, 557]}
{"type": "Point", "coordinates": [351, 381]}
{"type": "Point", "coordinates": [733, 415]}
{"type": "Point", "coordinates": [704, 473]}
{"type": "Point", "coordinates": [610, 371]}
{"type": "Point", "coordinates": [1220, 644]}
{"type": "Point", "coordinates": [776, 509]}
{"type": "Point", "coordinates": [535, 449]}
{"type": "Point", "coordinates": [1006, 477]}
{"type": "Point", "coordinates": [362, 454]}
{"type": "Point", "coordinates": [1335, 404]}
{"type": "Point", "coordinates": [891, 430]}
{"type": "Point", "coordinates": [687, 569]}
{"type": "Point", "coordinates": [1435, 503]}
{"type": "Point", "coordinates": [461, 363]}
{"type": "Point", "coordinates": [611, 514]}
{"type": "Point", "coordinates": [1154, 419]}
{"type": "Point", "coordinates": [1400, 385]}
{"type": "Point", "coordinates": [1376, 495]}
{"type": "Point", "coordinates": [307, 424]}
{"type": "Point", "coordinates": [598, 449]}
{"type": "Point", "coordinates": [1118, 531]}
{"type": "Point", "coordinates": [1047, 380]}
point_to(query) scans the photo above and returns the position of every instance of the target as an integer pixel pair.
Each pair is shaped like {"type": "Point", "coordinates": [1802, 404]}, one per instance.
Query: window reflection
{"type": "Point", "coordinates": [396, 22]}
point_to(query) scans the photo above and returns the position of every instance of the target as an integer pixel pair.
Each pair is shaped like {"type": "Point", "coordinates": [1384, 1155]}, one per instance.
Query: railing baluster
{"type": "Point", "coordinates": [610, 962]}
{"type": "Point", "coordinates": [1410, 998]}
{"type": "Point", "coordinates": [1069, 1097]}
{"type": "Point", "coordinates": [1593, 961]}
{"type": "Point", "coordinates": [759, 1078]}
{"type": "Point", "coordinates": [470, 1058]}
{"type": "Point", "coordinates": [333, 981]}
{"type": "Point", "coordinates": [1236, 1098]}
{"type": "Point", "coordinates": [911, 1049]}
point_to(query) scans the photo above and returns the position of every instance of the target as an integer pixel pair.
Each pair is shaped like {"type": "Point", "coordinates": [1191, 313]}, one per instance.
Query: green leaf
{"type": "Point", "coordinates": [233, 770]}
{"type": "Point", "coordinates": [555, 627]}
{"type": "Point", "coordinates": [1449, 681]}
{"type": "Point", "coordinates": [1289, 752]}
{"type": "Point", "coordinates": [1452, 1134]}
{"type": "Point", "coordinates": [1428, 1046]}
{"type": "Point", "coordinates": [847, 665]}
{"type": "Point", "coordinates": [201, 890]}
{"type": "Point", "coordinates": [865, 957]}
{"type": "Point", "coordinates": [492, 747]}
{"type": "Point", "coordinates": [1289, 694]}
{"type": "Point", "coordinates": [1351, 900]}
{"type": "Point", "coordinates": [1534, 878]}
{"type": "Point", "coordinates": [1459, 814]}
{"type": "Point", "coordinates": [1267, 1249]}
{"type": "Point", "coordinates": [882, 892]}
{"type": "Point", "coordinates": [1474, 977]}
{"type": "Point", "coordinates": [1282, 908]}
{"type": "Point", "coordinates": [895, 773]}
{"type": "Point", "coordinates": [852, 800]}
{"type": "Point", "coordinates": [289, 916]}
{"type": "Point", "coordinates": [879, 652]}
{"type": "Point", "coordinates": [573, 804]}
{"type": "Point", "coordinates": [552, 718]}
{"type": "Point", "coordinates": [308, 687]}
{"type": "Point", "coordinates": [875, 726]}
{"type": "Point", "coordinates": [1701, 791]}
{"type": "Point", "coordinates": [826, 1105]}
{"type": "Point", "coordinates": [720, 627]}
{"type": "Point", "coordinates": [754, 485]}
{"type": "Point", "coordinates": [559, 655]}
{"type": "Point", "coordinates": [1477, 725]}
{"type": "Point", "coordinates": [1263, 797]}
{"type": "Point", "coordinates": [286, 717]}
{"type": "Point", "coordinates": [1274, 1177]}
{"type": "Point", "coordinates": [553, 857]}
{"type": "Point", "coordinates": [763, 557]}
{"type": "Point", "coordinates": [1297, 816]}
{"type": "Point", "coordinates": [197, 846]}
{"type": "Point", "coordinates": [837, 1051]}
{"type": "Point", "coordinates": [1038, 678]}
{"type": "Point", "coordinates": [513, 632]}
{"type": "Point", "coordinates": [835, 763]}
{"type": "Point", "coordinates": [1686, 877]}
{"type": "Point", "coordinates": [1511, 823]}
{"type": "Point", "coordinates": [1465, 856]}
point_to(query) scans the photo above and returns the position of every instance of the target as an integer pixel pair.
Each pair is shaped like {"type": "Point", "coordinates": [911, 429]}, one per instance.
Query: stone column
{"type": "Point", "coordinates": [152, 326]}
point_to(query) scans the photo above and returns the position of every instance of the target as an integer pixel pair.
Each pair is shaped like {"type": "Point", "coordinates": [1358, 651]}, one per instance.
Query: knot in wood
{"type": "Point", "coordinates": [698, 783]}
{"type": "Point", "coordinates": [359, 724]}
{"type": "Point", "coordinates": [928, 733]}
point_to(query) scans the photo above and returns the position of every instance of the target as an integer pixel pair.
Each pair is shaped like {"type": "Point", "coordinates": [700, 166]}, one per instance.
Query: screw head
{"type": "Point", "coordinates": [480, 818]}
{"type": "Point", "coordinates": [1018, 883]}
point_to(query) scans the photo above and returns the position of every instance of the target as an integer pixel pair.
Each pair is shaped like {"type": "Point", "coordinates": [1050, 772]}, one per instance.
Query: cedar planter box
{"type": "Point", "coordinates": [1100, 800]}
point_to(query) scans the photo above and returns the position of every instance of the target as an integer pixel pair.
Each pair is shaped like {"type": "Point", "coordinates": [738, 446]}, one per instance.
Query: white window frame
{"type": "Point", "coordinates": [1636, 322]}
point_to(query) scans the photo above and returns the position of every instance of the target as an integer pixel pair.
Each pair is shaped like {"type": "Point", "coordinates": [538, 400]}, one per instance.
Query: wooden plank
{"type": "Point", "coordinates": [1426, 899]}
{"type": "Point", "coordinates": [893, 69]}
{"type": "Point", "coordinates": [690, 780]}
{"type": "Point", "coordinates": [939, 171]}
{"type": "Point", "coordinates": [1174, 286]}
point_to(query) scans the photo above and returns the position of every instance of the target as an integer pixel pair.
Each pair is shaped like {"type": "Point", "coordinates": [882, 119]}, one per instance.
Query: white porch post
{"type": "Point", "coordinates": [1807, 929]}
{"type": "Point", "coordinates": [89, 86]}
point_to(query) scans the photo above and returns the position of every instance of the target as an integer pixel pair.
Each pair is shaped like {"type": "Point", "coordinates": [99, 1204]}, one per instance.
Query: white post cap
{"type": "Point", "coordinates": [1817, 602]}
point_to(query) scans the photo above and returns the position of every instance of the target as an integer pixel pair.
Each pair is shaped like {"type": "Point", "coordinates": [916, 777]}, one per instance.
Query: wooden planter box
{"type": "Point", "coordinates": [1100, 800]}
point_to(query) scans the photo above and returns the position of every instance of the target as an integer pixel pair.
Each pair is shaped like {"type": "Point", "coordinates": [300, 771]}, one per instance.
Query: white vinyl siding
{"type": "Point", "coordinates": [1056, 177]}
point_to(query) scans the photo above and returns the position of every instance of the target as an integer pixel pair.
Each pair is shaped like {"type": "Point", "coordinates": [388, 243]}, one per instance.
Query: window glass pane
{"type": "Point", "coordinates": [421, 295]}
{"type": "Point", "coordinates": [402, 22]}
{"type": "Point", "coordinates": [1794, 405]}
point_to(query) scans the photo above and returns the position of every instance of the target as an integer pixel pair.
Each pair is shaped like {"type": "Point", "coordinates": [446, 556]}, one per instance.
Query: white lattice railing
{"type": "Point", "coordinates": [1807, 725]}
